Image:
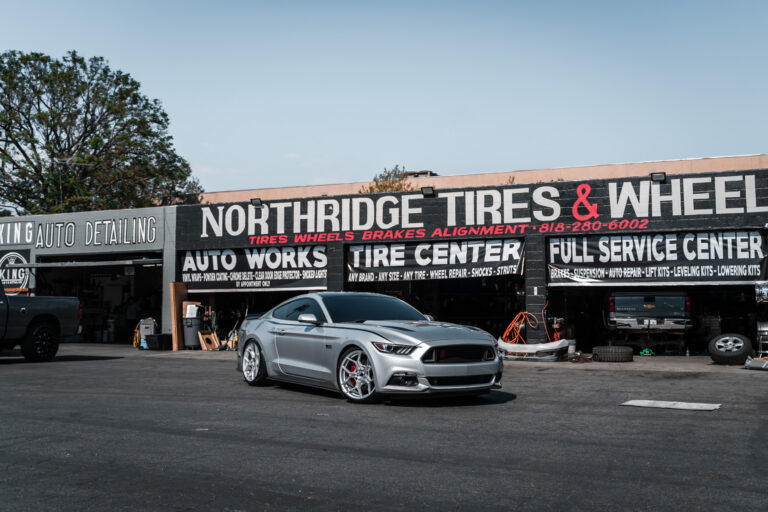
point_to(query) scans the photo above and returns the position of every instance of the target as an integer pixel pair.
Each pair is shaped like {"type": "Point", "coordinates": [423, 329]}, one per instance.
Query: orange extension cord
{"type": "Point", "coordinates": [513, 333]}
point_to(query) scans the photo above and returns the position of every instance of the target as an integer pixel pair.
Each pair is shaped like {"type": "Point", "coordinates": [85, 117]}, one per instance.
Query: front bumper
{"type": "Point", "coordinates": [652, 324]}
{"type": "Point", "coordinates": [434, 378]}
{"type": "Point", "coordinates": [552, 351]}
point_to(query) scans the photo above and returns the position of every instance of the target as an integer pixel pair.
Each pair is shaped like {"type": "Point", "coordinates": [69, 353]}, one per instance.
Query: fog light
{"type": "Point", "coordinates": [403, 379]}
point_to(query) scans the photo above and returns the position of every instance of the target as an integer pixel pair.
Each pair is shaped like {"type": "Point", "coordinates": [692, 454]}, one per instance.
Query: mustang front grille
{"type": "Point", "coordinates": [458, 354]}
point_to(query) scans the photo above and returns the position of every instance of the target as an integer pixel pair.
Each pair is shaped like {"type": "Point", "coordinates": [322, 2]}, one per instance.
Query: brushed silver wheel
{"type": "Point", "coordinates": [356, 376]}
{"type": "Point", "coordinates": [253, 364]}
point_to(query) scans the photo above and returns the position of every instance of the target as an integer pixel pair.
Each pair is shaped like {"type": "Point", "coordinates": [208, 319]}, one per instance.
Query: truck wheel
{"type": "Point", "coordinates": [612, 354]}
{"type": "Point", "coordinates": [41, 343]}
{"type": "Point", "coordinates": [730, 348]}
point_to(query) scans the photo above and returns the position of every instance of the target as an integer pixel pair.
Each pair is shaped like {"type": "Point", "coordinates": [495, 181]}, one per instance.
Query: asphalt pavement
{"type": "Point", "coordinates": [108, 427]}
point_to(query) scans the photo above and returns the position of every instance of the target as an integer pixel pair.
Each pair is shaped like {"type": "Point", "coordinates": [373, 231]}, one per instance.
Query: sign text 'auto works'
{"type": "Point", "coordinates": [254, 269]}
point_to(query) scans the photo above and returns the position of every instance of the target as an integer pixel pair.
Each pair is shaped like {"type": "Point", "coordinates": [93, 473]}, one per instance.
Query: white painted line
{"type": "Point", "coordinates": [690, 406]}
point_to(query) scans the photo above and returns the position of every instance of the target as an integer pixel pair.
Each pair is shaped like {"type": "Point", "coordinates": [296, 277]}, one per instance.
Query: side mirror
{"type": "Point", "coordinates": [430, 318]}
{"type": "Point", "coordinates": [308, 318]}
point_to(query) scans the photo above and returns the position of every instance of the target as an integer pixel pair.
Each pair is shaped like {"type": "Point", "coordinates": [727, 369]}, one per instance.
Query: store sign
{"type": "Point", "coordinates": [304, 267]}
{"type": "Point", "coordinates": [708, 257]}
{"type": "Point", "coordinates": [116, 231]}
{"type": "Point", "coordinates": [16, 233]}
{"type": "Point", "coordinates": [632, 204]}
{"type": "Point", "coordinates": [87, 232]}
{"type": "Point", "coordinates": [434, 260]}
{"type": "Point", "coordinates": [14, 278]}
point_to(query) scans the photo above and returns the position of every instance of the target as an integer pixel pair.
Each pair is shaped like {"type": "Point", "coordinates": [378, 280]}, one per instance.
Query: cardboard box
{"type": "Point", "coordinates": [185, 308]}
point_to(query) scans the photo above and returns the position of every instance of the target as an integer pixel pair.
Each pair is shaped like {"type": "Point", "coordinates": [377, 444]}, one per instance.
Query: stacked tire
{"type": "Point", "coordinates": [612, 354]}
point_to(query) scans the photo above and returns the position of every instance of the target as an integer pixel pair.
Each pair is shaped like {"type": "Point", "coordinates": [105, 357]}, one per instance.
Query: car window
{"type": "Point", "coordinates": [293, 309]}
{"type": "Point", "coordinates": [357, 308]}
{"type": "Point", "coordinates": [282, 311]}
{"type": "Point", "coordinates": [650, 305]}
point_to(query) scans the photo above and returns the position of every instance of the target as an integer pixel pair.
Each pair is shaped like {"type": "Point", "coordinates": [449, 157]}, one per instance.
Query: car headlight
{"type": "Point", "coordinates": [391, 348]}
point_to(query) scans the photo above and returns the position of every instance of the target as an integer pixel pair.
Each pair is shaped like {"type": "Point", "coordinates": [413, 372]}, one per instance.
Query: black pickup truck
{"type": "Point", "coordinates": [646, 318]}
{"type": "Point", "coordinates": [36, 323]}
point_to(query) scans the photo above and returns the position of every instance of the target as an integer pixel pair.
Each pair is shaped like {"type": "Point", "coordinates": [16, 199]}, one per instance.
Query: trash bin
{"type": "Point", "coordinates": [191, 326]}
{"type": "Point", "coordinates": [159, 341]}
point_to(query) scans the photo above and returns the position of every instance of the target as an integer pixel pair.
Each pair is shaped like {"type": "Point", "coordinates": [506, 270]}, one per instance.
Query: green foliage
{"type": "Point", "coordinates": [76, 135]}
{"type": "Point", "coordinates": [390, 180]}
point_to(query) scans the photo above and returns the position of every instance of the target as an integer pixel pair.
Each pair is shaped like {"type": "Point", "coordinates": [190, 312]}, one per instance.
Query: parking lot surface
{"type": "Point", "coordinates": [112, 428]}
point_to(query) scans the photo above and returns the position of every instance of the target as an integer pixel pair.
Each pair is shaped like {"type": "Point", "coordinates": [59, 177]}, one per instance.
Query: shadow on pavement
{"type": "Point", "coordinates": [12, 358]}
{"type": "Point", "coordinates": [495, 397]}
{"type": "Point", "coordinates": [492, 398]}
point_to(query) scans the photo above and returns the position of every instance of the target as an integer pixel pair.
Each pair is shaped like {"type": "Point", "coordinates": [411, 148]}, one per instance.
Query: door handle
{"type": "Point", "coordinates": [280, 332]}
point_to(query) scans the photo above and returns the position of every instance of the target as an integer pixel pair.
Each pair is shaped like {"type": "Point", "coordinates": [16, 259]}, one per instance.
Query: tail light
{"type": "Point", "coordinates": [611, 304]}
{"type": "Point", "coordinates": [687, 304]}
{"type": "Point", "coordinates": [79, 310]}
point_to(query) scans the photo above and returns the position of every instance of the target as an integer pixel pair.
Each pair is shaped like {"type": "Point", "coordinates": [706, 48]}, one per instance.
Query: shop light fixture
{"type": "Point", "coordinates": [659, 177]}
{"type": "Point", "coordinates": [428, 191]}
{"type": "Point", "coordinates": [255, 201]}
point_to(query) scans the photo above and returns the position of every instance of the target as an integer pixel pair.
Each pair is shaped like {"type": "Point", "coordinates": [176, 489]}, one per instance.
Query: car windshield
{"type": "Point", "coordinates": [358, 308]}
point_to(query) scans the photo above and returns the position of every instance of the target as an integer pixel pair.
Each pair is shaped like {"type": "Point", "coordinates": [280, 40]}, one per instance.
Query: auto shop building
{"type": "Point", "coordinates": [552, 243]}
{"type": "Point", "coordinates": [477, 249]}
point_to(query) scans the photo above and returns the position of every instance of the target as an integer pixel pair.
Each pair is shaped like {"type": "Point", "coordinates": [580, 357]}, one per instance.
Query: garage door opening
{"type": "Point", "coordinates": [590, 314]}
{"type": "Point", "coordinates": [113, 297]}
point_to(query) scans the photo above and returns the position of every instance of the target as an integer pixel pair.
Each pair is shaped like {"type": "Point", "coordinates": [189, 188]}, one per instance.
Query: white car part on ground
{"type": "Point", "coordinates": [534, 352]}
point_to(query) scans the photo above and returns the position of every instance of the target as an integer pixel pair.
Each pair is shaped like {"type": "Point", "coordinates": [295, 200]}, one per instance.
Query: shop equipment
{"type": "Point", "coordinates": [512, 344]}
{"type": "Point", "coordinates": [208, 340]}
{"type": "Point", "coordinates": [762, 339]}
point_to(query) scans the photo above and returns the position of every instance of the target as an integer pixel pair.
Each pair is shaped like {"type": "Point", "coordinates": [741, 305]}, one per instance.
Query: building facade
{"type": "Point", "coordinates": [475, 249]}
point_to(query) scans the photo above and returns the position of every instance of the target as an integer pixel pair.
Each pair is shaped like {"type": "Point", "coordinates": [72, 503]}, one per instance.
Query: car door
{"type": "Point", "coordinates": [301, 348]}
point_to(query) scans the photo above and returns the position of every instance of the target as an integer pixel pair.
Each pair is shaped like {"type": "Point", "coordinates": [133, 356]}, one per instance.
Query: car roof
{"type": "Point", "coordinates": [334, 294]}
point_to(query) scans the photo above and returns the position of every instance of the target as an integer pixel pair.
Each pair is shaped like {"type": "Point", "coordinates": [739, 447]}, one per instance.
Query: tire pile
{"type": "Point", "coordinates": [612, 354]}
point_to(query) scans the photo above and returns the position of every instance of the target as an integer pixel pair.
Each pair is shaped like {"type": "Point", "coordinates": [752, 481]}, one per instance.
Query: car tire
{"type": "Point", "coordinates": [254, 368]}
{"type": "Point", "coordinates": [355, 377]}
{"type": "Point", "coordinates": [41, 343]}
{"type": "Point", "coordinates": [730, 348]}
{"type": "Point", "coordinates": [612, 354]}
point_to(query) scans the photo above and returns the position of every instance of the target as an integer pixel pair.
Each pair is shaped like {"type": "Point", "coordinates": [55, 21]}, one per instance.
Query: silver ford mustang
{"type": "Point", "coordinates": [366, 345]}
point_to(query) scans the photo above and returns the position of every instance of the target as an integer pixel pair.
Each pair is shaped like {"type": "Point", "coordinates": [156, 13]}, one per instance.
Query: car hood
{"type": "Point", "coordinates": [417, 332]}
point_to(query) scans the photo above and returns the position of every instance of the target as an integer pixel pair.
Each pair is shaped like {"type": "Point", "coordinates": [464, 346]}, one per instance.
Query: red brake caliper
{"type": "Point", "coordinates": [351, 369]}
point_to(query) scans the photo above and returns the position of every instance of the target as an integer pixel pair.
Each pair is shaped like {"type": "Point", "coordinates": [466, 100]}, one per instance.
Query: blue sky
{"type": "Point", "coordinates": [271, 94]}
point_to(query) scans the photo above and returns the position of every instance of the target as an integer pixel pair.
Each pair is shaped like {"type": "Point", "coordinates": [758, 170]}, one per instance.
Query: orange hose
{"type": "Point", "coordinates": [513, 334]}
{"type": "Point", "coordinates": [544, 321]}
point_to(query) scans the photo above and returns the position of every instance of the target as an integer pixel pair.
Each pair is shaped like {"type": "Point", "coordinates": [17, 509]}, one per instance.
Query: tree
{"type": "Point", "coordinates": [76, 135]}
{"type": "Point", "coordinates": [392, 180]}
